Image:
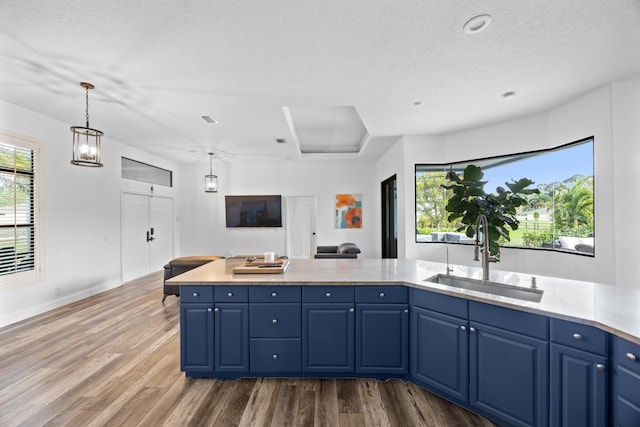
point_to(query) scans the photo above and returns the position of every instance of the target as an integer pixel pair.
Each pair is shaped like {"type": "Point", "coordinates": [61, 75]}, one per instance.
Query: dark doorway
{"type": "Point", "coordinates": [389, 218]}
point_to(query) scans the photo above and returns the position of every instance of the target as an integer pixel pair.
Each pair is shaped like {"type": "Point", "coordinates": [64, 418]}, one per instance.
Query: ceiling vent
{"type": "Point", "coordinates": [281, 140]}
{"type": "Point", "coordinates": [209, 119]}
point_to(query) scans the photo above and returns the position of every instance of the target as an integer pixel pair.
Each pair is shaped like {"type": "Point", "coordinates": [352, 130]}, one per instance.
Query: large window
{"type": "Point", "coordinates": [19, 210]}
{"type": "Point", "coordinates": [560, 217]}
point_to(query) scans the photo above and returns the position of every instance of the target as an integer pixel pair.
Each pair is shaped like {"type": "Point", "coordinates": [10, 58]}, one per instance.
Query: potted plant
{"type": "Point", "coordinates": [469, 200]}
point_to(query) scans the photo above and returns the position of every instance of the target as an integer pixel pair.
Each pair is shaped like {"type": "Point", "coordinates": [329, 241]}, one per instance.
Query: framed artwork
{"type": "Point", "coordinates": [348, 211]}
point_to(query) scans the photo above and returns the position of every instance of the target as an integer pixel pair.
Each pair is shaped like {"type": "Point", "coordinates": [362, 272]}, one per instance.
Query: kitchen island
{"type": "Point", "coordinates": [511, 360]}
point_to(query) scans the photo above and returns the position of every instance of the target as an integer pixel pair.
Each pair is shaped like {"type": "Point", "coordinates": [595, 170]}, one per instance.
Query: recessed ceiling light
{"type": "Point", "coordinates": [508, 95]}
{"type": "Point", "coordinates": [417, 104]}
{"type": "Point", "coordinates": [209, 119]}
{"type": "Point", "coordinates": [477, 24]}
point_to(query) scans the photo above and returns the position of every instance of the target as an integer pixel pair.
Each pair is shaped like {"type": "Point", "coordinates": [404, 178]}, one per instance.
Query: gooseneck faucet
{"type": "Point", "coordinates": [486, 259]}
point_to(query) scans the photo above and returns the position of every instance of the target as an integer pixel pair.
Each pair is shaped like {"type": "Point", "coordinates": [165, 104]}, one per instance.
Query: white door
{"type": "Point", "coordinates": [161, 231]}
{"type": "Point", "coordinates": [147, 234]}
{"type": "Point", "coordinates": [301, 226]}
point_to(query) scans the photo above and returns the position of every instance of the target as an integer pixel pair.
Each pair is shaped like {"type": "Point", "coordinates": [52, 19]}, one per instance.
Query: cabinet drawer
{"type": "Point", "coordinates": [438, 302]}
{"type": "Point", "coordinates": [275, 320]}
{"type": "Point", "coordinates": [196, 294]}
{"type": "Point", "coordinates": [275, 355]}
{"type": "Point", "coordinates": [517, 321]}
{"type": "Point", "coordinates": [382, 294]}
{"type": "Point", "coordinates": [576, 335]}
{"type": "Point", "coordinates": [627, 354]}
{"type": "Point", "coordinates": [274, 294]}
{"type": "Point", "coordinates": [231, 293]}
{"type": "Point", "coordinates": [327, 294]}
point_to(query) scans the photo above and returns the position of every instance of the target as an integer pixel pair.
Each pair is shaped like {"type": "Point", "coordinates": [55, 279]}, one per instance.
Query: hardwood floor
{"type": "Point", "coordinates": [113, 359]}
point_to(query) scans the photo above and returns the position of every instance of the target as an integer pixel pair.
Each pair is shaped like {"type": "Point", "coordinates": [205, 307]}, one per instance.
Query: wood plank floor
{"type": "Point", "coordinates": [113, 359]}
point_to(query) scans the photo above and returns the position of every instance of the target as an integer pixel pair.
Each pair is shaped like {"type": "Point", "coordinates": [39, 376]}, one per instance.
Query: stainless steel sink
{"type": "Point", "coordinates": [502, 289]}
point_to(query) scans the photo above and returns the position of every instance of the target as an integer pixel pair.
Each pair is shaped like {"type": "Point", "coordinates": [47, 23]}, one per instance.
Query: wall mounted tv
{"type": "Point", "coordinates": [253, 211]}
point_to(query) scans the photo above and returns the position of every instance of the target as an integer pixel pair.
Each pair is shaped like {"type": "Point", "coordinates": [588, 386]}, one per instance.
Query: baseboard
{"type": "Point", "coordinates": [11, 318]}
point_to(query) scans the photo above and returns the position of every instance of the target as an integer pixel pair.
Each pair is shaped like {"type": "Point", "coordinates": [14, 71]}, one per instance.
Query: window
{"type": "Point", "coordinates": [19, 209]}
{"type": "Point", "coordinates": [560, 218]}
{"type": "Point", "coordinates": [138, 171]}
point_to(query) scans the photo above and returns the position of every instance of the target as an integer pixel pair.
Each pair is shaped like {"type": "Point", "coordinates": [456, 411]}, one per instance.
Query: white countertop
{"type": "Point", "coordinates": [614, 309]}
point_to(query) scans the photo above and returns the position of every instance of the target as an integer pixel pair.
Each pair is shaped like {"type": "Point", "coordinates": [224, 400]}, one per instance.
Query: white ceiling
{"type": "Point", "coordinates": [159, 65]}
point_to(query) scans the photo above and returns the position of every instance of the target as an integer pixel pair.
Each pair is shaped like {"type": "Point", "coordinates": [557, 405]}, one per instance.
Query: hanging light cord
{"type": "Point", "coordinates": [86, 91]}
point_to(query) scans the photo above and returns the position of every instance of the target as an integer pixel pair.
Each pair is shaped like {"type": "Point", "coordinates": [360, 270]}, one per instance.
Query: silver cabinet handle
{"type": "Point", "coordinates": [274, 321]}
{"type": "Point", "coordinates": [275, 356]}
{"type": "Point", "coordinates": [209, 309]}
{"type": "Point", "coordinates": [274, 294]}
{"type": "Point", "coordinates": [472, 329]}
{"type": "Point", "coordinates": [600, 367]}
{"type": "Point", "coordinates": [195, 295]}
{"type": "Point", "coordinates": [464, 328]}
{"type": "Point", "coordinates": [328, 295]}
{"type": "Point", "coordinates": [631, 357]}
{"type": "Point", "coordinates": [217, 310]}
{"type": "Point", "coordinates": [351, 310]}
{"type": "Point", "coordinates": [406, 311]}
{"type": "Point", "coordinates": [381, 294]}
{"type": "Point", "coordinates": [230, 294]}
{"type": "Point", "coordinates": [577, 336]}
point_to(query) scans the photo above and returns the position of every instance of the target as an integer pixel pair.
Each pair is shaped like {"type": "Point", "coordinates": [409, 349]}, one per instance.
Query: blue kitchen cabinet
{"type": "Point", "coordinates": [196, 329]}
{"type": "Point", "coordinates": [509, 364]}
{"type": "Point", "coordinates": [626, 383]}
{"type": "Point", "coordinates": [328, 329]}
{"type": "Point", "coordinates": [440, 353]}
{"type": "Point", "coordinates": [231, 329]}
{"type": "Point", "coordinates": [579, 377]}
{"type": "Point", "coordinates": [275, 330]}
{"type": "Point", "coordinates": [382, 330]}
{"type": "Point", "coordinates": [231, 337]}
{"type": "Point", "coordinates": [382, 338]}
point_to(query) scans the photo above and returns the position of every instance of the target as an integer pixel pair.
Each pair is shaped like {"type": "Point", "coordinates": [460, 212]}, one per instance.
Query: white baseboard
{"type": "Point", "coordinates": [10, 318]}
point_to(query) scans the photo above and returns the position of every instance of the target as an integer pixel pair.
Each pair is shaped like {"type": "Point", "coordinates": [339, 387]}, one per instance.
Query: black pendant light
{"type": "Point", "coordinates": [86, 141]}
{"type": "Point", "coordinates": [211, 180]}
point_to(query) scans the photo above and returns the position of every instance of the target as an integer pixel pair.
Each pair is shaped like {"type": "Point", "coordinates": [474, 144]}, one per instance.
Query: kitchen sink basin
{"type": "Point", "coordinates": [501, 289]}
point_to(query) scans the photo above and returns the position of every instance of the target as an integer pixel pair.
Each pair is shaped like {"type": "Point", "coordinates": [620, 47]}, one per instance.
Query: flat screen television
{"type": "Point", "coordinates": [253, 211]}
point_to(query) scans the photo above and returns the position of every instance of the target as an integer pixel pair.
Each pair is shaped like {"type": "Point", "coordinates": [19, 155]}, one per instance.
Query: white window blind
{"type": "Point", "coordinates": [19, 254]}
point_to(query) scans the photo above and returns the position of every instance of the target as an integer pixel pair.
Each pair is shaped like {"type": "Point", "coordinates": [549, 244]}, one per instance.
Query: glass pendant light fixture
{"type": "Point", "coordinates": [86, 141]}
{"type": "Point", "coordinates": [211, 180]}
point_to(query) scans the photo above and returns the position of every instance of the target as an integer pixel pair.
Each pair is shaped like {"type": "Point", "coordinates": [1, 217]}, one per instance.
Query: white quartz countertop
{"type": "Point", "coordinates": [614, 309]}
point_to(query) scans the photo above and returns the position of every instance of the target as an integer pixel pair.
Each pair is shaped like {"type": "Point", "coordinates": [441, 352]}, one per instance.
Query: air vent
{"type": "Point", "coordinates": [281, 140]}
{"type": "Point", "coordinates": [209, 119]}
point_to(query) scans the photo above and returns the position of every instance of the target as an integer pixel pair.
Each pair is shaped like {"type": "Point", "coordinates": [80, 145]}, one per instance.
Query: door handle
{"type": "Point", "coordinates": [150, 237]}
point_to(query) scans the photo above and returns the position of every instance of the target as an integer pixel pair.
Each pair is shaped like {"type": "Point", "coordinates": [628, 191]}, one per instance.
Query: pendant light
{"type": "Point", "coordinates": [211, 180]}
{"type": "Point", "coordinates": [86, 141]}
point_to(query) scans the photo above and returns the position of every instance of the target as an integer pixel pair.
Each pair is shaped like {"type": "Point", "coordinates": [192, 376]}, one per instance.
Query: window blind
{"type": "Point", "coordinates": [17, 210]}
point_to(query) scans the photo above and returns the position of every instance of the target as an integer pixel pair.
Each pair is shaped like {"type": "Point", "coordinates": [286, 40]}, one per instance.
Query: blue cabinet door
{"type": "Point", "coordinates": [626, 383]}
{"type": "Point", "coordinates": [382, 338]}
{"type": "Point", "coordinates": [578, 388]}
{"type": "Point", "coordinates": [439, 353]}
{"type": "Point", "coordinates": [508, 375]}
{"type": "Point", "coordinates": [232, 337]}
{"type": "Point", "coordinates": [196, 338]}
{"type": "Point", "coordinates": [328, 338]}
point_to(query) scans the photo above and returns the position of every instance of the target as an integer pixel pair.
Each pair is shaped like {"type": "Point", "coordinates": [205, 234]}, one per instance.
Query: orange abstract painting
{"type": "Point", "coordinates": [348, 211]}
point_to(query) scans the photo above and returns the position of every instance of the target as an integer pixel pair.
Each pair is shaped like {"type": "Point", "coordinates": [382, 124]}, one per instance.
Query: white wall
{"type": "Point", "coordinates": [81, 217]}
{"type": "Point", "coordinates": [610, 115]}
{"type": "Point", "coordinates": [202, 216]}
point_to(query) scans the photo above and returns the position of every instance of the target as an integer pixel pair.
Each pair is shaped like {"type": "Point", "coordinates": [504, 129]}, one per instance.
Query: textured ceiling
{"type": "Point", "coordinates": [159, 65]}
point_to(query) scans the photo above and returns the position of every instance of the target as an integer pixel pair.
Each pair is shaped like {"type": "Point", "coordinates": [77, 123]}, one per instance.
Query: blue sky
{"type": "Point", "coordinates": [549, 167]}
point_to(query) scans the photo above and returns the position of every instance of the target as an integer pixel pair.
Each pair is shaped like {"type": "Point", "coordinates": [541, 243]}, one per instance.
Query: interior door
{"type": "Point", "coordinates": [301, 226]}
{"type": "Point", "coordinates": [389, 218]}
{"type": "Point", "coordinates": [147, 234]}
{"type": "Point", "coordinates": [135, 248]}
{"type": "Point", "coordinates": [161, 232]}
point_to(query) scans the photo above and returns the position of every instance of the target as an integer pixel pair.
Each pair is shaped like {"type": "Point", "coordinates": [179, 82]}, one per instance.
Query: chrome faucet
{"type": "Point", "coordinates": [486, 259]}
